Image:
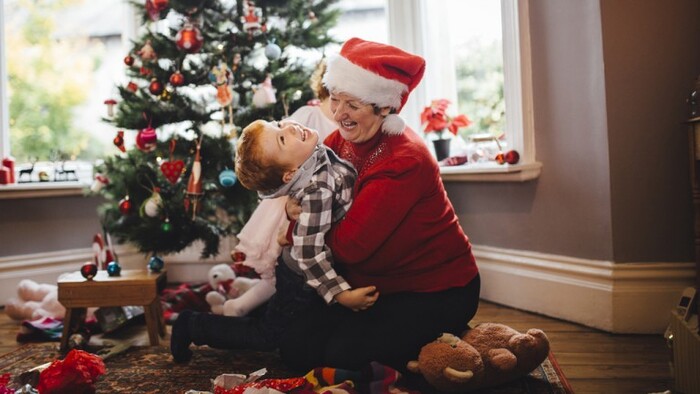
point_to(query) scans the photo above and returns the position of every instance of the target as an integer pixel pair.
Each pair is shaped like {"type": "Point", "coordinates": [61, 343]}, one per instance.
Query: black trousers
{"type": "Point", "coordinates": [263, 328]}
{"type": "Point", "coordinates": [391, 332]}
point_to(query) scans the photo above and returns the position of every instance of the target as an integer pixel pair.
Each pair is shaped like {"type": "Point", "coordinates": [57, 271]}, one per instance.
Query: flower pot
{"type": "Point", "coordinates": [442, 148]}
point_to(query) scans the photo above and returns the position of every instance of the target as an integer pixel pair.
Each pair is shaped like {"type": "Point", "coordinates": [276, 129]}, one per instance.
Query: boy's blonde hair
{"type": "Point", "coordinates": [254, 171]}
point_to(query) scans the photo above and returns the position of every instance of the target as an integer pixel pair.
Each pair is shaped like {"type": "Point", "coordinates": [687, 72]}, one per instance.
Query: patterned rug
{"type": "Point", "coordinates": [151, 370]}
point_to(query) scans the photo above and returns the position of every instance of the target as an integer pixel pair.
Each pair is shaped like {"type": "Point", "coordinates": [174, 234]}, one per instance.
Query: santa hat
{"type": "Point", "coordinates": [375, 73]}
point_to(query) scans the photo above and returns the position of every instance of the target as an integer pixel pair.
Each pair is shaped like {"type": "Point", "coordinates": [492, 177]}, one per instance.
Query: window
{"type": "Point", "coordinates": [60, 62]}
{"type": "Point", "coordinates": [89, 40]}
{"type": "Point", "coordinates": [477, 54]}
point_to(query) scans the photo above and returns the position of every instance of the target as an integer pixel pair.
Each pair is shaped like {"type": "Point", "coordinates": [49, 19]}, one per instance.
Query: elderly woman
{"type": "Point", "coordinates": [401, 235]}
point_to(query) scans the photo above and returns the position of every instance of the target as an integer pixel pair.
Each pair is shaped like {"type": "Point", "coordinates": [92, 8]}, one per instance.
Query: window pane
{"type": "Point", "coordinates": [361, 18]}
{"type": "Point", "coordinates": [63, 59]}
{"type": "Point", "coordinates": [476, 39]}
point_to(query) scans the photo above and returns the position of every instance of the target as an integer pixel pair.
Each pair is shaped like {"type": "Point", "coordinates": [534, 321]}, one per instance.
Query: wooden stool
{"type": "Point", "coordinates": [132, 287]}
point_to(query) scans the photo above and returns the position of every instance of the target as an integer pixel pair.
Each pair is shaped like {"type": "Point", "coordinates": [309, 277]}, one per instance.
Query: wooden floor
{"type": "Point", "coordinates": [593, 361]}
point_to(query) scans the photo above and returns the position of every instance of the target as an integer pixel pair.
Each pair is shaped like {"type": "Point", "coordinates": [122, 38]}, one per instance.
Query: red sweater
{"type": "Point", "coordinates": [401, 233]}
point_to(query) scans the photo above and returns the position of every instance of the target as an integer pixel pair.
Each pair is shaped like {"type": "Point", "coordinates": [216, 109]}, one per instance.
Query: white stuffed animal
{"type": "Point", "coordinates": [226, 287]}
{"type": "Point", "coordinates": [34, 301]}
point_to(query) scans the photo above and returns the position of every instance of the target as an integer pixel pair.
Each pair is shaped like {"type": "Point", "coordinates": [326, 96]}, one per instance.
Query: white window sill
{"type": "Point", "coordinates": [42, 189]}
{"type": "Point", "coordinates": [491, 172]}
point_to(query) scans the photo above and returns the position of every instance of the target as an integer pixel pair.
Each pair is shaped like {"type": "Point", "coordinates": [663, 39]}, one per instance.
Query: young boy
{"type": "Point", "coordinates": [288, 160]}
{"type": "Point", "coordinates": [277, 161]}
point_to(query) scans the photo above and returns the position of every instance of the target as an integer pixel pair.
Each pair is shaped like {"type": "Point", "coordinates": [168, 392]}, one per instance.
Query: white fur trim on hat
{"type": "Point", "coordinates": [347, 77]}
{"type": "Point", "coordinates": [393, 124]}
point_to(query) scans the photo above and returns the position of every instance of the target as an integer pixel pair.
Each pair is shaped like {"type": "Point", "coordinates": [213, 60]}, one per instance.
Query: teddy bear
{"type": "Point", "coordinates": [226, 287]}
{"type": "Point", "coordinates": [34, 301]}
{"type": "Point", "coordinates": [487, 355]}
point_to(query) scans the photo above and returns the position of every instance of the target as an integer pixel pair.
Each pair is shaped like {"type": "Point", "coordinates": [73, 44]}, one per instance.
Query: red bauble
{"type": "Point", "coordinates": [125, 206]}
{"type": "Point", "coordinates": [155, 87]}
{"type": "Point", "coordinates": [154, 7]}
{"type": "Point", "coordinates": [88, 270]}
{"type": "Point", "coordinates": [177, 79]}
{"type": "Point", "coordinates": [146, 139]}
{"type": "Point", "coordinates": [189, 39]}
{"type": "Point", "coordinates": [512, 157]}
{"type": "Point", "coordinates": [129, 60]}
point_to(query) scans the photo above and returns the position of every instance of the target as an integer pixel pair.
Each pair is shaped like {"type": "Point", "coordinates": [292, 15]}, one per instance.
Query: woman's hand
{"type": "Point", "coordinates": [293, 209]}
{"type": "Point", "coordinates": [358, 299]}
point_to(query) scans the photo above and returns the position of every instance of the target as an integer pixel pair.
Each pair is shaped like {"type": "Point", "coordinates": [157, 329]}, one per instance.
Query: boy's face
{"type": "Point", "coordinates": [288, 146]}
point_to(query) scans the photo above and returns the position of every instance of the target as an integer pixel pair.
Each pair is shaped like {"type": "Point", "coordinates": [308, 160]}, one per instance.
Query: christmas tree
{"type": "Point", "coordinates": [199, 71]}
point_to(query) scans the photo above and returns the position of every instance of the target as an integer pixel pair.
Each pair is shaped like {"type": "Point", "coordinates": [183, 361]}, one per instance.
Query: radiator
{"type": "Point", "coordinates": [686, 356]}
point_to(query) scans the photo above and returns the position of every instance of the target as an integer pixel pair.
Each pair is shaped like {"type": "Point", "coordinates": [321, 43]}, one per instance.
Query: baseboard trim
{"type": "Point", "coordinates": [615, 297]}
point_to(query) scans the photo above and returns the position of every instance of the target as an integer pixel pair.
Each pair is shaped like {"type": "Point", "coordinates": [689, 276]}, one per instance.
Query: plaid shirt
{"type": "Point", "coordinates": [324, 200]}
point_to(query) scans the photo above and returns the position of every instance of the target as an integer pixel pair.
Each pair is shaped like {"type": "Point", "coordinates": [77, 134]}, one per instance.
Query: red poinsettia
{"type": "Point", "coordinates": [435, 118]}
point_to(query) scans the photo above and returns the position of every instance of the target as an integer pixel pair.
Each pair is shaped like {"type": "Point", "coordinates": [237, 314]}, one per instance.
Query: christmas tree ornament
{"type": "Point", "coordinates": [227, 178]}
{"type": "Point", "coordinates": [236, 62]}
{"type": "Point", "coordinates": [172, 169]}
{"type": "Point", "coordinates": [147, 53]}
{"type": "Point", "coordinates": [146, 139]}
{"type": "Point", "coordinates": [273, 51]}
{"type": "Point", "coordinates": [125, 206]}
{"type": "Point", "coordinates": [155, 264]}
{"type": "Point", "coordinates": [166, 226]}
{"type": "Point", "coordinates": [114, 269]}
{"type": "Point", "coordinates": [145, 71]}
{"type": "Point", "coordinates": [155, 87]}
{"type": "Point", "coordinates": [166, 94]}
{"type": "Point", "coordinates": [132, 87]}
{"type": "Point", "coordinates": [99, 182]}
{"type": "Point", "coordinates": [177, 79]}
{"type": "Point", "coordinates": [251, 19]}
{"type": "Point", "coordinates": [129, 60]}
{"type": "Point", "coordinates": [155, 7]}
{"type": "Point", "coordinates": [511, 157]}
{"type": "Point", "coordinates": [221, 77]}
{"type": "Point", "coordinates": [110, 103]}
{"type": "Point", "coordinates": [88, 270]}
{"type": "Point", "coordinates": [99, 251]}
{"type": "Point", "coordinates": [265, 94]}
{"type": "Point", "coordinates": [151, 206]}
{"type": "Point", "coordinates": [189, 39]}
{"type": "Point", "coordinates": [194, 184]}
{"type": "Point", "coordinates": [119, 141]}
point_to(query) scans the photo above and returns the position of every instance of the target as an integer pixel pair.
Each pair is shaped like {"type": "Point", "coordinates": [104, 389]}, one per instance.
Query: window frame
{"type": "Point", "coordinates": [408, 21]}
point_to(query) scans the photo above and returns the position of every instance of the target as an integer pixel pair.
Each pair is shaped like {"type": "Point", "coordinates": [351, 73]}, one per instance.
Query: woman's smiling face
{"type": "Point", "coordinates": [356, 119]}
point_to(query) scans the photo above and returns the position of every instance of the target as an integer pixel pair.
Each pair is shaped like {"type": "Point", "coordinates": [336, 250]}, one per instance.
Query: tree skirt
{"type": "Point", "coordinates": [151, 370]}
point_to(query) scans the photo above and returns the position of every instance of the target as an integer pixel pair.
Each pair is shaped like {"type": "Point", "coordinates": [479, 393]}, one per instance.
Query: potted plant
{"type": "Point", "coordinates": [435, 119]}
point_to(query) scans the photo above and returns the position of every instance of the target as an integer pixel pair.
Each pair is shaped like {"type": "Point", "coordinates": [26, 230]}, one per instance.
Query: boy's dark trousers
{"type": "Point", "coordinates": [262, 330]}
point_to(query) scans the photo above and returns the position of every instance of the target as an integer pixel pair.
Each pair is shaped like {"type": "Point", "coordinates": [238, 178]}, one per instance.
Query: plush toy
{"type": "Point", "coordinates": [487, 355]}
{"type": "Point", "coordinates": [226, 287]}
{"type": "Point", "coordinates": [34, 301]}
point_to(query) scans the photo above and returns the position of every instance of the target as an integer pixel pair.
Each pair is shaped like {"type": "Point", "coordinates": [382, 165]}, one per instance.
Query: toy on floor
{"type": "Point", "coordinates": [487, 355]}
{"type": "Point", "coordinates": [34, 301]}
{"type": "Point", "coordinates": [227, 287]}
